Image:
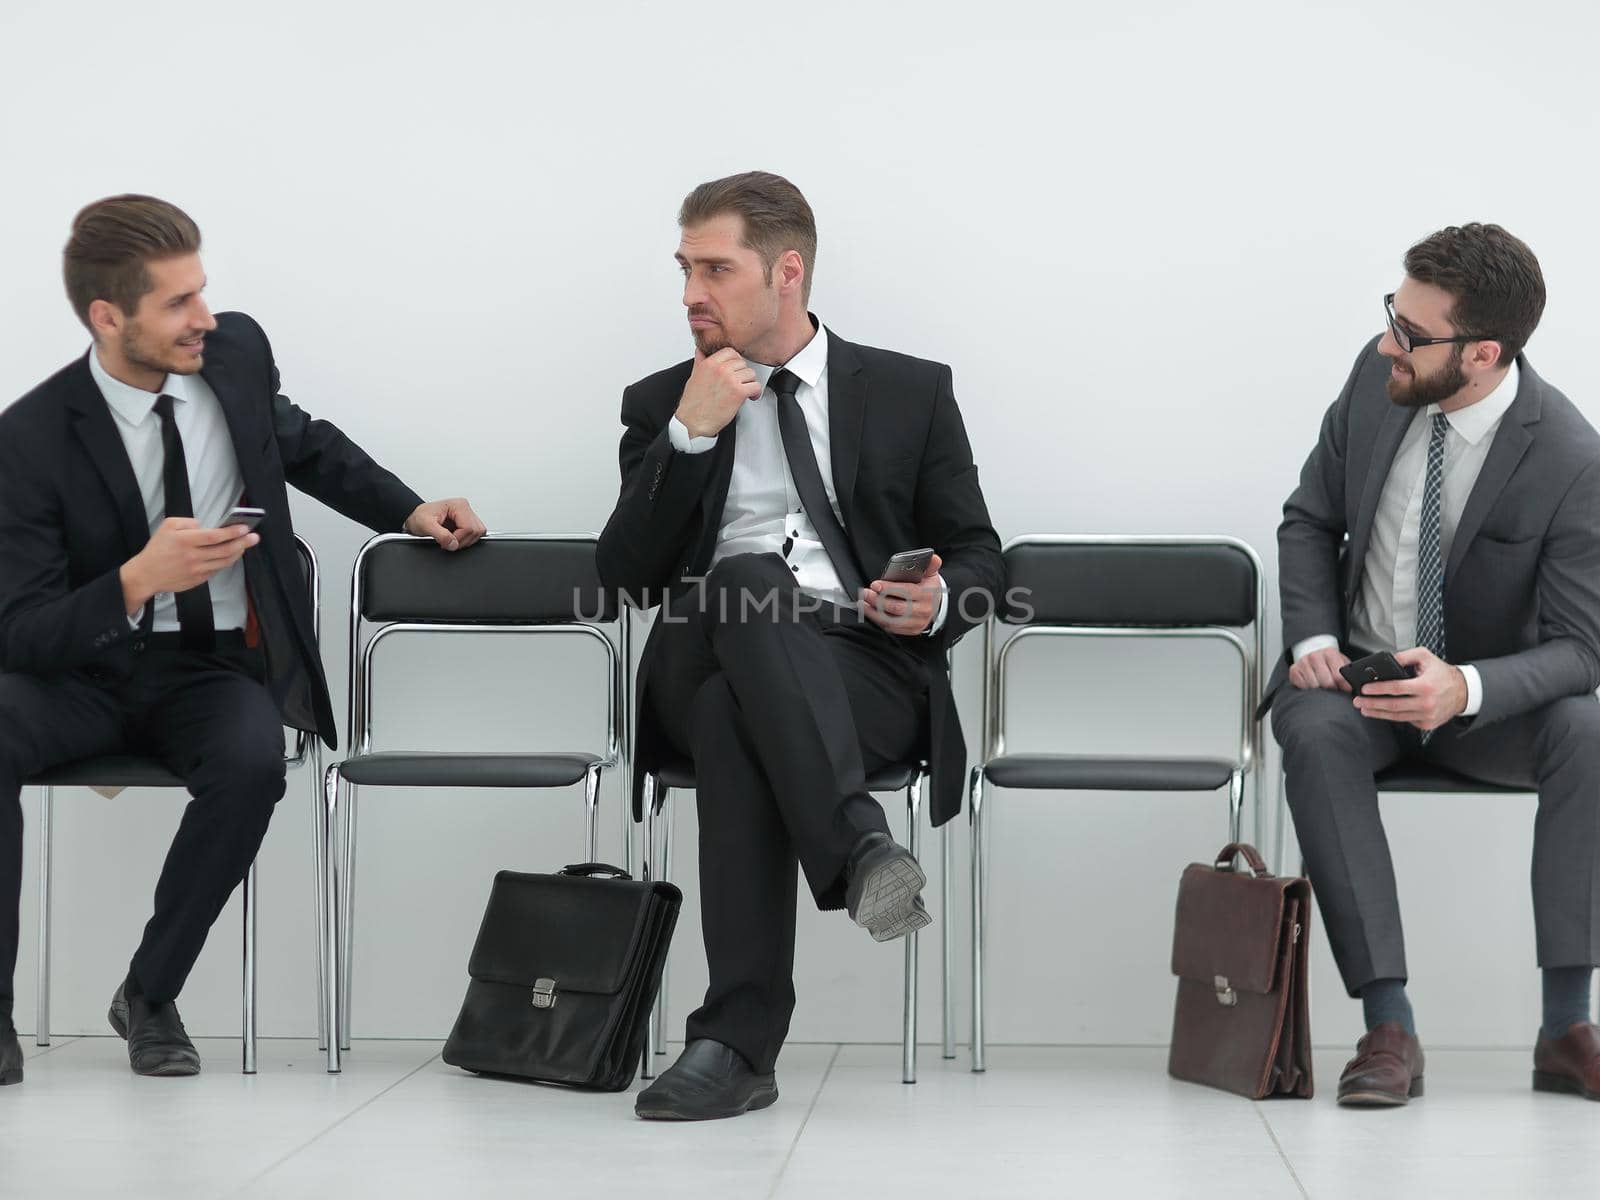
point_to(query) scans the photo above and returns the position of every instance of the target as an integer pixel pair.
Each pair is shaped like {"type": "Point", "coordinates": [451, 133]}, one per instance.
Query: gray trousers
{"type": "Point", "coordinates": [1330, 755]}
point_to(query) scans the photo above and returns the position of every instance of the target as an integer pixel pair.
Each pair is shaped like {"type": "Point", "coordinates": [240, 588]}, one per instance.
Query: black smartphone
{"type": "Point", "coordinates": [241, 514]}
{"type": "Point", "coordinates": [908, 566]}
{"type": "Point", "coordinates": [1381, 667]}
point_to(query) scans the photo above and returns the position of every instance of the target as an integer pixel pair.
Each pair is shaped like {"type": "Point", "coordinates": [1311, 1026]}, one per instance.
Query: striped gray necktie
{"type": "Point", "coordinates": [1430, 559]}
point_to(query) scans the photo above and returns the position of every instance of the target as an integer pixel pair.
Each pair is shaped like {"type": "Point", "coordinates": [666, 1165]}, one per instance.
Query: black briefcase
{"type": "Point", "coordinates": [564, 973]}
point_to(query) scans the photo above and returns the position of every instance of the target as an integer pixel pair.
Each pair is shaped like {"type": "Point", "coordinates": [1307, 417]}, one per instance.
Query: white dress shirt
{"type": "Point", "coordinates": [763, 513]}
{"type": "Point", "coordinates": [1385, 612]}
{"type": "Point", "coordinates": [214, 481]}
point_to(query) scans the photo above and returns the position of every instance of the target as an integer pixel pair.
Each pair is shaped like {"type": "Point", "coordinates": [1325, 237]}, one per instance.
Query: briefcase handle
{"type": "Point", "coordinates": [595, 868]}
{"type": "Point", "coordinates": [1252, 858]}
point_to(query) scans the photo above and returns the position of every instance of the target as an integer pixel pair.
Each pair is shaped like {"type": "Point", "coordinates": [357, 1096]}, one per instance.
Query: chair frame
{"type": "Point", "coordinates": [337, 829]}
{"type": "Point", "coordinates": [1248, 758]}
{"type": "Point", "coordinates": [657, 800]}
{"type": "Point", "coordinates": [308, 748]}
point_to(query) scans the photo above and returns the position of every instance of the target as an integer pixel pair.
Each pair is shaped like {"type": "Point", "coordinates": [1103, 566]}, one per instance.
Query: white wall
{"type": "Point", "coordinates": [1150, 239]}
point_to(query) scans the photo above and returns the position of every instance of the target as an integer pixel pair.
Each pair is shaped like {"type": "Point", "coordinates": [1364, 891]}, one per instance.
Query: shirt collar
{"type": "Point", "coordinates": [1476, 421]}
{"type": "Point", "coordinates": [129, 403]}
{"type": "Point", "coordinates": [809, 365]}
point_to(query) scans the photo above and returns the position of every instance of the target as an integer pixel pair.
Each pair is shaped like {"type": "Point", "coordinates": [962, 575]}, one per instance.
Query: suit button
{"type": "Point", "coordinates": [138, 645]}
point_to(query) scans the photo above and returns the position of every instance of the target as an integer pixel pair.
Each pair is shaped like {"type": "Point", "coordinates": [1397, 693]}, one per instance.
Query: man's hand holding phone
{"type": "Point", "coordinates": [1435, 694]}
{"type": "Point", "coordinates": [181, 555]}
{"type": "Point", "coordinates": [717, 386]}
{"type": "Point", "coordinates": [905, 607]}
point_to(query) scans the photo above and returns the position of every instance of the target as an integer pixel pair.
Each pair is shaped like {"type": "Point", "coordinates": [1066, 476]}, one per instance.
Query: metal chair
{"type": "Point", "coordinates": [130, 770]}
{"type": "Point", "coordinates": [1117, 587]}
{"type": "Point", "coordinates": [510, 584]}
{"type": "Point", "coordinates": [911, 778]}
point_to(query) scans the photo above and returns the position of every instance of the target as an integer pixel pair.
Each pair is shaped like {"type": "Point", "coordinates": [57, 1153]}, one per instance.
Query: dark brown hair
{"type": "Point", "coordinates": [112, 240]}
{"type": "Point", "coordinates": [776, 217]}
{"type": "Point", "coordinates": [1493, 277]}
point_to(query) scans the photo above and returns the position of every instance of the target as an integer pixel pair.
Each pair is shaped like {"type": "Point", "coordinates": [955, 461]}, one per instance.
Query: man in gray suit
{"type": "Point", "coordinates": [1450, 513]}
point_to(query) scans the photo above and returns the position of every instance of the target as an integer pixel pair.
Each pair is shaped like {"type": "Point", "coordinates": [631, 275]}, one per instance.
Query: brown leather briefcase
{"type": "Point", "coordinates": [1239, 951]}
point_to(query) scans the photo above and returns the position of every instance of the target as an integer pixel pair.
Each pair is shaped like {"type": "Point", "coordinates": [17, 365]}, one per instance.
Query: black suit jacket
{"type": "Point", "coordinates": [1522, 583]}
{"type": "Point", "coordinates": [903, 475]}
{"type": "Point", "coordinates": [71, 515]}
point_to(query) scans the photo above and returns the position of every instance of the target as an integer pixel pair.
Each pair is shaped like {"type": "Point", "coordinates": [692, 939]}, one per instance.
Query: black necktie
{"type": "Point", "coordinates": [808, 481]}
{"type": "Point", "coordinates": [194, 606]}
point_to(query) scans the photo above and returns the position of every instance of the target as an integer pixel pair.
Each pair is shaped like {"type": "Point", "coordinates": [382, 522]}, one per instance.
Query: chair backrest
{"type": "Point", "coordinates": [508, 583]}
{"type": "Point", "coordinates": [1129, 586]}
{"type": "Point", "coordinates": [311, 574]}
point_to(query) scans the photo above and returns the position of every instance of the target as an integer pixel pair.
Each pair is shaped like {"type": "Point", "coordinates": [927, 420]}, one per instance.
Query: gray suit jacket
{"type": "Point", "coordinates": [1522, 584]}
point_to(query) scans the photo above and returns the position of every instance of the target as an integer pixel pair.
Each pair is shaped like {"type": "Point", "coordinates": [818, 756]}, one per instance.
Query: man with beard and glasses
{"type": "Point", "coordinates": [1450, 513]}
{"type": "Point", "coordinates": [785, 465]}
{"type": "Point", "coordinates": [129, 621]}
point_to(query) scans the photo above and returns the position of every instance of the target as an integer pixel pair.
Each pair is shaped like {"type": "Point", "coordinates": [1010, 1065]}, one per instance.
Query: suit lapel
{"type": "Point", "coordinates": [244, 432]}
{"type": "Point", "coordinates": [1511, 442]}
{"type": "Point", "coordinates": [97, 429]}
{"type": "Point", "coordinates": [1390, 434]}
{"type": "Point", "coordinates": [847, 403]}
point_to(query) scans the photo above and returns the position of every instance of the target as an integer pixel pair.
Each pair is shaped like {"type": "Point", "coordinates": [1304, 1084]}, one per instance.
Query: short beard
{"type": "Point", "coordinates": [710, 341]}
{"type": "Point", "coordinates": [1433, 389]}
{"type": "Point", "coordinates": [133, 352]}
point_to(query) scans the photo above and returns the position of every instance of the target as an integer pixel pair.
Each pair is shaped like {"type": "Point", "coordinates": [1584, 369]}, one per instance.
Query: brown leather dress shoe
{"type": "Point", "coordinates": [1569, 1063]}
{"type": "Point", "coordinates": [1386, 1071]}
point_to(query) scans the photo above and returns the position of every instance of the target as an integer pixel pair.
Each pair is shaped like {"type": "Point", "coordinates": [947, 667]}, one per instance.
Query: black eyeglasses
{"type": "Point", "coordinates": [1407, 341]}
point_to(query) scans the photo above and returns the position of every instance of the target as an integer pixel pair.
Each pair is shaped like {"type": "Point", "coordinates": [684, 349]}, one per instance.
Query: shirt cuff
{"type": "Point", "coordinates": [1474, 689]}
{"type": "Point", "coordinates": [944, 609]}
{"type": "Point", "coordinates": [678, 435]}
{"type": "Point", "coordinates": [1323, 641]}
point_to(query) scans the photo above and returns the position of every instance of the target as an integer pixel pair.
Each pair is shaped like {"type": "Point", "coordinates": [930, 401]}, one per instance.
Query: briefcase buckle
{"type": "Point", "coordinates": [544, 993]}
{"type": "Point", "coordinates": [1226, 996]}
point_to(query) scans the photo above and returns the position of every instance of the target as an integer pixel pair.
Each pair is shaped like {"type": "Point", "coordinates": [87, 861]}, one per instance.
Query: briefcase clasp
{"type": "Point", "coordinates": [1226, 996]}
{"type": "Point", "coordinates": [544, 993]}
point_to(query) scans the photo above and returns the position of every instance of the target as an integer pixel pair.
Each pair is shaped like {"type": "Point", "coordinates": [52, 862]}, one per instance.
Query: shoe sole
{"type": "Point", "coordinates": [1549, 1081]}
{"type": "Point", "coordinates": [117, 1014]}
{"type": "Point", "coordinates": [1382, 1099]}
{"type": "Point", "coordinates": [886, 895]}
{"type": "Point", "coordinates": [762, 1097]}
{"type": "Point", "coordinates": [7, 1078]}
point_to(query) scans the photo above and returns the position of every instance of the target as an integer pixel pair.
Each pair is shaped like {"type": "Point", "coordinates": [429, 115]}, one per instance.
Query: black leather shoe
{"type": "Point", "coordinates": [157, 1042]}
{"type": "Point", "coordinates": [10, 1053]}
{"type": "Point", "coordinates": [708, 1081]}
{"type": "Point", "coordinates": [881, 892]}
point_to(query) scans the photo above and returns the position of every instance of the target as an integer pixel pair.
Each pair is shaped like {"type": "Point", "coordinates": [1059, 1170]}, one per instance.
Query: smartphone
{"type": "Point", "coordinates": [908, 566]}
{"type": "Point", "coordinates": [1381, 667]}
{"type": "Point", "coordinates": [239, 514]}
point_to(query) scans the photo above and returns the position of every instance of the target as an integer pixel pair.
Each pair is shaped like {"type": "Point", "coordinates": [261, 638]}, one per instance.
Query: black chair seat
{"type": "Point", "coordinates": [679, 773]}
{"type": "Point", "coordinates": [1416, 777]}
{"type": "Point", "coordinates": [414, 769]}
{"type": "Point", "coordinates": [1077, 772]}
{"type": "Point", "coordinates": [108, 770]}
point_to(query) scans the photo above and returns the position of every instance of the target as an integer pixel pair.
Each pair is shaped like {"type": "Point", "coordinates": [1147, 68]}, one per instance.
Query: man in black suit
{"type": "Point", "coordinates": [128, 620]}
{"type": "Point", "coordinates": [764, 482]}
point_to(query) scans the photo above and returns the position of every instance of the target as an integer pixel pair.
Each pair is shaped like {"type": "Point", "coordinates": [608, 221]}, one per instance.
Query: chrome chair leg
{"type": "Point", "coordinates": [318, 867]}
{"type": "Point", "coordinates": [347, 911]}
{"type": "Point", "coordinates": [668, 814]}
{"type": "Point", "coordinates": [330, 913]}
{"type": "Point", "coordinates": [975, 814]}
{"type": "Point", "coordinates": [1235, 806]}
{"type": "Point", "coordinates": [908, 1036]}
{"type": "Point", "coordinates": [591, 814]}
{"type": "Point", "coordinates": [647, 872]}
{"type": "Point", "coordinates": [947, 939]}
{"type": "Point", "coordinates": [47, 804]}
{"type": "Point", "coordinates": [248, 904]}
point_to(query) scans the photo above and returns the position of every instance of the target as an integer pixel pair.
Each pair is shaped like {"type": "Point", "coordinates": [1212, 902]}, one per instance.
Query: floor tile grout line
{"type": "Point", "coordinates": [1278, 1146]}
{"type": "Point", "coordinates": [55, 1044]}
{"type": "Point", "coordinates": [322, 1133]}
{"type": "Point", "coordinates": [777, 1181]}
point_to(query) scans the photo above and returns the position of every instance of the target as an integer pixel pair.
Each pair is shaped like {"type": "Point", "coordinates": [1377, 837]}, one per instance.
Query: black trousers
{"type": "Point", "coordinates": [783, 712]}
{"type": "Point", "coordinates": [211, 720]}
{"type": "Point", "coordinates": [1330, 756]}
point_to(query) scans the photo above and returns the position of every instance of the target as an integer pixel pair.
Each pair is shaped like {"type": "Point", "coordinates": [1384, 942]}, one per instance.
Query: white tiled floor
{"type": "Point", "coordinates": [1044, 1121]}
